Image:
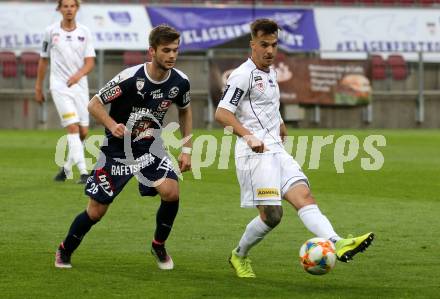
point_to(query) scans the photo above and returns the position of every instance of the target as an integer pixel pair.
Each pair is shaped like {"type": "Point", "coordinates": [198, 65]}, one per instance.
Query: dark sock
{"type": "Point", "coordinates": [164, 221]}
{"type": "Point", "coordinates": [80, 226]}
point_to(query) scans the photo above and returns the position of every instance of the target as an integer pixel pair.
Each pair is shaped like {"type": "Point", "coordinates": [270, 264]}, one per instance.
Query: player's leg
{"type": "Point", "coordinates": [70, 119]}
{"type": "Point", "coordinates": [83, 131]}
{"type": "Point", "coordinates": [80, 226]}
{"type": "Point", "coordinates": [297, 192]}
{"type": "Point", "coordinates": [106, 181]}
{"type": "Point", "coordinates": [263, 192]}
{"type": "Point", "coordinates": [168, 190]}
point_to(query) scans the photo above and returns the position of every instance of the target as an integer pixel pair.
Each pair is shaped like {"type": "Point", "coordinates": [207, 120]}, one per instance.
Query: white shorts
{"type": "Point", "coordinates": [265, 178]}
{"type": "Point", "coordinates": [71, 105]}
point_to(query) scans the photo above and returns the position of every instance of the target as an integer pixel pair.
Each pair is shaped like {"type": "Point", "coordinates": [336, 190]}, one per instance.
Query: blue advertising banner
{"type": "Point", "coordinates": [203, 28]}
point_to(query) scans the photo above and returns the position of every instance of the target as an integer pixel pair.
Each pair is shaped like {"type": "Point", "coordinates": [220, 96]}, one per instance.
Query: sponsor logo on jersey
{"type": "Point", "coordinates": [111, 94]}
{"type": "Point", "coordinates": [174, 91]}
{"type": "Point", "coordinates": [122, 18]}
{"type": "Point", "coordinates": [236, 96]}
{"type": "Point", "coordinates": [164, 105]}
{"type": "Point", "coordinates": [140, 163]}
{"type": "Point", "coordinates": [271, 83]}
{"type": "Point", "coordinates": [156, 94]}
{"type": "Point", "coordinates": [140, 82]}
{"type": "Point", "coordinates": [165, 164]}
{"type": "Point", "coordinates": [69, 115]}
{"type": "Point", "coordinates": [257, 78]}
{"type": "Point", "coordinates": [104, 181]}
{"type": "Point", "coordinates": [186, 98]}
{"type": "Point", "coordinates": [267, 192]}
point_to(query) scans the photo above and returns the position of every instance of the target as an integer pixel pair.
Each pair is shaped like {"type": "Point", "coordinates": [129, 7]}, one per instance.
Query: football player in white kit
{"type": "Point", "coordinates": [72, 57]}
{"type": "Point", "coordinates": [265, 171]}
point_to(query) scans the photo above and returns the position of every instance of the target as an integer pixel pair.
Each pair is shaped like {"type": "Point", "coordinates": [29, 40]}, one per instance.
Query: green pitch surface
{"type": "Point", "coordinates": [400, 203]}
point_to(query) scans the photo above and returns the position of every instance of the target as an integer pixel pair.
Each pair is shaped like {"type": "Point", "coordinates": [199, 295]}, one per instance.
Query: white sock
{"type": "Point", "coordinates": [76, 152]}
{"type": "Point", "coordinates": [317, 223]}
{"type": "Point", "coordinates": [254, 233]}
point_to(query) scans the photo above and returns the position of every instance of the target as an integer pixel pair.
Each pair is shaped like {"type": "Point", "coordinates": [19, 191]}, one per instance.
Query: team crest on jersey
{"type": "Point", "coordinates": [260, 85]}
{"type": "Point", "coordinates": [140, 82]}
{"type": "Point", "coordinates": [174, 91]}
{"type": "Point", "coordinates": [164, 105]}
{"type": "Point", "coordinates": [81, 38]}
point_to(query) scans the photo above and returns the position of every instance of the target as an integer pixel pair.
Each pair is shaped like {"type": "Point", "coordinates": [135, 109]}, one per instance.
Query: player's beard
{"type": "Point", "coordinates": [163, 66]}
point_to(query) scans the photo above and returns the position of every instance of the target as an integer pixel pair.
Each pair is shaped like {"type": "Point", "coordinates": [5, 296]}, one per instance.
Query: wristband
{"type": "Point", "coordinates": [186, 150]}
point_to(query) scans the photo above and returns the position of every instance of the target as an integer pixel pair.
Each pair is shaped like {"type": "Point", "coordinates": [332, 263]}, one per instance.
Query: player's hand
{"type": "Point", "coordinates": [74, 79]}
{"type": "Point", "coordinates": [184, 162]}
{"type": "Point", "coordinates": [118, 130]}
{"type": "Point", "coordinates": [39, 96]}
{"type": "Point", "coordinates": [255, 144]}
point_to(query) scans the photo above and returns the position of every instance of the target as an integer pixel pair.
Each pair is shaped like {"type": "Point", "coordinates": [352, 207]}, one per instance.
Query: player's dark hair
{"type": "Point", "coordinates": [60, 3]}
{"type": "Point", "coordinates": [162, 35]}
{"type": "Point", "coordinates": [266, 26]}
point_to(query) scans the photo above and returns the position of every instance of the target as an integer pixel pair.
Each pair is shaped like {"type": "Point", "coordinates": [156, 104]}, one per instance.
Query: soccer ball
{"type": "Point", "coordinates": [317, 256]}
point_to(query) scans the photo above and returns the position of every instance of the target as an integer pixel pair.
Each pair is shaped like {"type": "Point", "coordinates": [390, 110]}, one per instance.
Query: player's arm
{"type": "Point", "coordinates": [236, 88]}
{"type": "Point", "coordinates": [283, 130]}
{"type": "Point", "coordinates": [97, 110]}
{"type": "Point", "coordinates": [41, 73]}
{"type": "Point", "coordinates": [89, 64]}
{"type": "Point", "coordinates": [228, 119]}
{"type": "Point", "coordinates": [185, 121]}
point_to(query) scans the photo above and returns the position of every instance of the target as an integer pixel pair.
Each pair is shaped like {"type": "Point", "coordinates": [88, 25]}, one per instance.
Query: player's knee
{"type": "Point", "coordinates": [171, 194]}
{"type": "Point", "coordinates": [96, 212]}
{"type": "Point", "coordinates": [273, 215]}
{"type": "Point", "coordinates": [95, 215]}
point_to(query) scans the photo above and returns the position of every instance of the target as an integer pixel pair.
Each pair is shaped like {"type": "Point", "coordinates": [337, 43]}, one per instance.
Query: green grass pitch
{"type": "Point", "coordinates": [400, 203]}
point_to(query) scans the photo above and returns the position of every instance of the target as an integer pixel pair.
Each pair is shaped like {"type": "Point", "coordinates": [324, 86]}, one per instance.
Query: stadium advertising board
{"type": "Point", "coordinates": [307, 81]}
{"type": "Point", "coordinates": [113, 26]}
{"type": "Point", "coordinates": [351, 32]}
{"type": "Point", "coordinates": [203, 28]}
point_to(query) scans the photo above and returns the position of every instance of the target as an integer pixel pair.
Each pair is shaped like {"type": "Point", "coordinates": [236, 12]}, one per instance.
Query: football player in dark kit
{"type": "Point", "coordinates": [139, 97]}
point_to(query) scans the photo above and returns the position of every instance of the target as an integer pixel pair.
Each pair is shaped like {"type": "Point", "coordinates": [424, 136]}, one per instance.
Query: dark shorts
{"type": "Point", "coordinates": [111, 174]}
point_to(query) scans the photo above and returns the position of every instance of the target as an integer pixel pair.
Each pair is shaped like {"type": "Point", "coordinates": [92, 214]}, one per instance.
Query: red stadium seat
{"type": "Point", "coordinates": [367, 2]}
{"type": "Point", "coordinates": [29, 60]}
{"type": "Point", "coordinates": [131, 58]}
{"type": "Point", "coordinates": [398, 66]}
{"type": "Point", "coordinates": [378, 68]}
{"type": "Point", "coordinates": [408, 2]}
{"type": "Point", "coordinates": [387, 2]}
{"type": "Point", "coordinates": [428, 2]}
{"type": "Point", "coordinates": [8, 63]}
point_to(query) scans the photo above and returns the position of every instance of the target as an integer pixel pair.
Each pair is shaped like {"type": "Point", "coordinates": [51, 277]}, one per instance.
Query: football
{"type": "Point", "coordinates": [317, 256]}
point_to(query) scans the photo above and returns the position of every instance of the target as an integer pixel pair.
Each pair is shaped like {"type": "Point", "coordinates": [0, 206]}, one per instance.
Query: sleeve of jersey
{"type": "Point", "coordinates": [90, 50]}
{"type": "Point", "coordinates": [236, 88]}
{"type": "Point", "coordinates": [114, 89]}
{"type": "Point", "coordinates": [45, 47]}
{"type": "Point", "coordinates": [184, 99]}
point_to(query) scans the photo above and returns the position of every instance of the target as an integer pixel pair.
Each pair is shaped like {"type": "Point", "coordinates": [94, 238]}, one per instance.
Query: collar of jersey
{"type": "Point", "coordinates": [154, 81]}
{"type": "Point", "coordinates": [255, 66]}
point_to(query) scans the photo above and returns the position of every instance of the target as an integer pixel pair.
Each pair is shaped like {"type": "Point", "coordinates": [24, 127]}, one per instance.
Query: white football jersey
{"type": "Point", "coordinates": [67, 50]}
{"type": "Point", "coordinates": [253, 96]}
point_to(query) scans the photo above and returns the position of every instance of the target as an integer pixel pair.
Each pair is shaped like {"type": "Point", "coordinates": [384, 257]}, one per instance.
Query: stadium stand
{"type": "Point", "coordinates": [378, 68]}
{"type": "Point", "coordinates": [29, 60]}
{"type": "Point", "coordinates": [8, 63]}
{"type": "Point", "coordinates": [398, 67]}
